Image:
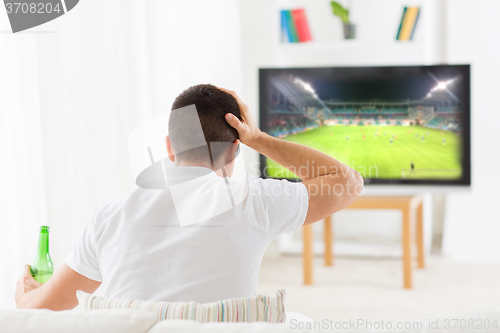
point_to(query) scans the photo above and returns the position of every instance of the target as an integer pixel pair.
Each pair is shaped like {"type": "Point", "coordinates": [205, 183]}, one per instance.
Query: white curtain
{"type": "Point", "coordinates": [70, 93]}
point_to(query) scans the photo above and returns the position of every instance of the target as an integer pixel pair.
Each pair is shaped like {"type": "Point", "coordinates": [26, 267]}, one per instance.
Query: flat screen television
{"type": "Point", "coordinates": [394, 125]}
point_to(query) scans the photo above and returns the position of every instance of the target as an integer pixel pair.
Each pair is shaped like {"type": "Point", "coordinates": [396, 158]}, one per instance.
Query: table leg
{"type": "Point", "coordinates": [419, 228]}
{"type": "Point", "coordinates": [328, 241]}
{"type": "Point", "coordinates": [406, 238]}
{"type": "Point", "coordinates": [307, 235]}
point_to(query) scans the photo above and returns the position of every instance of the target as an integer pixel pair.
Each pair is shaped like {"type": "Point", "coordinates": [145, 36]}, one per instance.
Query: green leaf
{"type": "Point", "coordinates": [340, 11]}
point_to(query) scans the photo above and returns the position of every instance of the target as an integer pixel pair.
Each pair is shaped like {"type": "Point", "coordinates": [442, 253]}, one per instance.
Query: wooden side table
{"type": "Point", "coordinates": [411, 207]}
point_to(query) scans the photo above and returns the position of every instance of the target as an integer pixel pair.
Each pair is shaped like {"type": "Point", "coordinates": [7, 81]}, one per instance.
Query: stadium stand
{"type": "Point", "coordinates": [394, 110]}
{"type": "Point", "coordinates": [282, 125]}
{"type": "Point", "coordinates": [447, 109]}
{"type": "Point", "coordinates": [448, 123]}
{"type": "Point", "coordinates": [368, 110]}
{"type": "Point", "coordinates": [295, 107]}
{"type": "Point", "coordinates": [434, 122]}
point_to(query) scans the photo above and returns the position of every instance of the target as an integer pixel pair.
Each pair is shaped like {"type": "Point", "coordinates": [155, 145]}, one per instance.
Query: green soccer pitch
{"type": "Point", "coordinates": [375, 157]}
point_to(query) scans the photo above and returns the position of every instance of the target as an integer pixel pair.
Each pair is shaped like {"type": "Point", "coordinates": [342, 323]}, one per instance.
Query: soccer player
{"type": "Point", "coordinates": [391, 141]}
{"type": "Point", "coordinates": [412, 168]}
{"type": "Point", "coordinates": [347, 137]}
{"type": "Point", "coordinates": [423, 138]}
{"type": "Point", "coordinates": [444, 142]}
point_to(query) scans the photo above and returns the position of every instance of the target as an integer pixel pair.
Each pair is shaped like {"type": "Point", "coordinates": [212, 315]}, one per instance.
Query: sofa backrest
{"type": "Point", "coordinates": [76, 321]}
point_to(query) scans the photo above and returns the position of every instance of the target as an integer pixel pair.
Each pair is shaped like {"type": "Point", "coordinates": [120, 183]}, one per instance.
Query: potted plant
{"type": "Point", "coordinates": [343, 14]}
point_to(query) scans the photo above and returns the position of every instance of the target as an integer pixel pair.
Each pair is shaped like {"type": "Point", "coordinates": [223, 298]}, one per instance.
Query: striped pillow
{"type": "Point", "coordinates": [244, 309]}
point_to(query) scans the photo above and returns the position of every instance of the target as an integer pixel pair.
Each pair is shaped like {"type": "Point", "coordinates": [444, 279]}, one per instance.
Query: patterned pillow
{"type": "Point", "coordinates": [244, 309]}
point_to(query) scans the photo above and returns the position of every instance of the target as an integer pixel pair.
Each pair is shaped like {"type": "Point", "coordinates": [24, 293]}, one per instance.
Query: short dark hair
{"type": "Point", "coordinates": [212, 104]}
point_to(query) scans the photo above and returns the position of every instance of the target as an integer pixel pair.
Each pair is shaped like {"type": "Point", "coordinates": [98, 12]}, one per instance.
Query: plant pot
{"type": "Point", "coordinates": [349, 31]}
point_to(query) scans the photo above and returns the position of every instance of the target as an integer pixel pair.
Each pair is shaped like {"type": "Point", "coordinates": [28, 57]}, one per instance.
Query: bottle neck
{"type": "Point", "coordinates": [43, 242]}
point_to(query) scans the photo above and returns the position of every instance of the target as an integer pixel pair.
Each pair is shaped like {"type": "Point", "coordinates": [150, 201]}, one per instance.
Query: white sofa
{"type": "Point", "coordinates": [120, 321]}
{"type": "Point", "coordinates": [135, 321]}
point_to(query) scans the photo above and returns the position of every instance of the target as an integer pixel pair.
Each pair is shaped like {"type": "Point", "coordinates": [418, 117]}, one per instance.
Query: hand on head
{"type": "Point", "coordinates": [248, 131]}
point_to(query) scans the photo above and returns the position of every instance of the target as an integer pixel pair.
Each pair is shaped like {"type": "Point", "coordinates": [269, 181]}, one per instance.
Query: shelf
{"type": "Point", "coordinates": [349, 44]}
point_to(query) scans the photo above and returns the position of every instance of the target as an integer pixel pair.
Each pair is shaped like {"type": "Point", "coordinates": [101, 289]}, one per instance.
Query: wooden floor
{"type": "Point", "coordinates": [371, 289]}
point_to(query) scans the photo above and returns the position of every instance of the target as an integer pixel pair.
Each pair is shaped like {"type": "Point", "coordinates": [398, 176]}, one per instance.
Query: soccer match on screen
{"type": "Point", "coordinates": [387, 123]}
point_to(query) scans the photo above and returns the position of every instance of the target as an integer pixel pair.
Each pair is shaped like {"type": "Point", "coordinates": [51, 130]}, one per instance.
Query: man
{"type": "Point", "coordinates": [135, 246]}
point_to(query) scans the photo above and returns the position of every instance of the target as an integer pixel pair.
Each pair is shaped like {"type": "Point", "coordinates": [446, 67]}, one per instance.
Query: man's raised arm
{"type": "Point", "coordinates": [331, 184]}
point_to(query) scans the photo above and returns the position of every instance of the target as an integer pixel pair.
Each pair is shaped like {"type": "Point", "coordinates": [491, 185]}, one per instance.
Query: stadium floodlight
{"type": "Point", "coordinates": [442, 85]}
{"type": "Point", "coordinates": [309, 88]}
{"type": "Point", "coordinates": [304, 85]}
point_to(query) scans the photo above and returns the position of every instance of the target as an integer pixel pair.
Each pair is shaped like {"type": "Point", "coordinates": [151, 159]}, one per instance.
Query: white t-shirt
{"type": "Point", "coordinates": [134, 243]}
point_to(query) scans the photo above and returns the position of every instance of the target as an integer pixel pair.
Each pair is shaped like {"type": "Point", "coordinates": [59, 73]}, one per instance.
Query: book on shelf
{"type": "Point", "coordinates": [286, 36]}
{"type": "Point", "coordinates": [291, 27]}
{"type": "Point", "coordinates": [294, 26]}
{"type": "Point", "coordinates": [300, 20]}
{"type": "Point", "coordinates": [408, 23]}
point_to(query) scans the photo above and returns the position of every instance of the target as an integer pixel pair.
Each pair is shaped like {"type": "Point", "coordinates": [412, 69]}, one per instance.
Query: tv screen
{"type": "Point", "coordinates": [394, 125]}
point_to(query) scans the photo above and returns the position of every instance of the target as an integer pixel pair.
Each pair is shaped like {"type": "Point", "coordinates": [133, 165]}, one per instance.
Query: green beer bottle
{"type": "Point", "coordinates": [42, 267]}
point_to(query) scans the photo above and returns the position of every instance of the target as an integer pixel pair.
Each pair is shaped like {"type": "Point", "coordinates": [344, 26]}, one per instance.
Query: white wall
{"type": "Point", "coordinates": [472, 222]}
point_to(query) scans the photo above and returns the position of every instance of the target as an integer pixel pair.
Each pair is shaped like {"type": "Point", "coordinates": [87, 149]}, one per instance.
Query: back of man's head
{"type": "Point", "coordinates": [212, 104]}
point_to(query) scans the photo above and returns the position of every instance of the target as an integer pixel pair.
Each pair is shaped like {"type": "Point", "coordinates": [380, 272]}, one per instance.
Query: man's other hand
{"type": "Point", "coordinates": [26, 283]}
{"type": "Point", "coordinates": [248, 131]}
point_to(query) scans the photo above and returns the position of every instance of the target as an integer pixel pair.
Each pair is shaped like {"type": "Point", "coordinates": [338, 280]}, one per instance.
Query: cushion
{"type": "Point", "coordinates": [245, 309]}
{"type": "Point", "coordinates": [76, 321]}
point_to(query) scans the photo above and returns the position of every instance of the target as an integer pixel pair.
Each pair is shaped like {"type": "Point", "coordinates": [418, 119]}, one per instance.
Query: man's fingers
{"type": "Point", "coordinates": [27, 270]}
{"type": "Point", "coordinates": [233, 121]}
{"type": "Point", "coordinates": [230, 92]}
{"type": "Point", "coordinates": [234, 94]}
{"type": "Point", "coordinates": [27, 277]}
